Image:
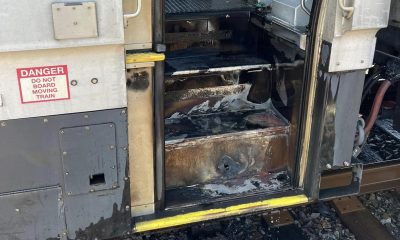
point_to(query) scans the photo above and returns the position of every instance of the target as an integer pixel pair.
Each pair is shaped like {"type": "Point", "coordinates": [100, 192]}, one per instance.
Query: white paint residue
{"type": "Point", "coordinates": [177, 139]}
{"type": "Point", "coordinates": [201, 108]}
{"type": "Point", "coordinates": [176, 115]}
{"type": "Point", "coordinates": [248, 185]}
{"type": "Point", "coordinates": [238, 102]}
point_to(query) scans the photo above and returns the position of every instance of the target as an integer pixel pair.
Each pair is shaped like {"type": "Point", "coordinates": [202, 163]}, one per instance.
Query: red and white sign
{"type": "Point", "coordinates": [43, 84]}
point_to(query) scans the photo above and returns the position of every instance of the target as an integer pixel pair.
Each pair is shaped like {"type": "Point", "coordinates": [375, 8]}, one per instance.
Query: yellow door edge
{"type": "Point", "coordinates": [144, 57]}
{"type": "Point", "coordinates": [200, 216]}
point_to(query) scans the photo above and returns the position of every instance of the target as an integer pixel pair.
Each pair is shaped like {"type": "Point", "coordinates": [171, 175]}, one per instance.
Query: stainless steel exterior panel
{"type": "Point", "coordinates": [89, 158]}
{"type": "Point", "coordinates": [32, 25]}
{"type": "Point", "coordinates": [139, 30]}
{"type": "Point", "coordinates": [29, 148]}
{"type": "Point", "coordinates": [352, 32]}
{"type": "Point", "coordinates": [141, 139]}
{"type": "Point", "coordinates": [33, 215]}
{"type": "Point", "coordinates": [32, 152]}
{"type": "Point", "coordinates": [96, 81]}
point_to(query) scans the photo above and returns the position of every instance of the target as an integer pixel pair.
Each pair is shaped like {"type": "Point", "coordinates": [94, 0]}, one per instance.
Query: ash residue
{"type": "Point", "coordinates": [272, 183]}
{"type": "Point", "coordinates": [393, 70]}
{"type": "Point", "coordinates": [385, 206]}
{"type": "Point", "coordinates": [320, 221]}
{"type": "Point", "coordinates": [385, 145]}
{"type": "Point", "coordinates": [241, 228]}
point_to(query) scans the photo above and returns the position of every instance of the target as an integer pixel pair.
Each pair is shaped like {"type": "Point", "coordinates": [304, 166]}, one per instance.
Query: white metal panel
{"type": "Point", "coordinates": [371, 14]}
{"type": "Point", "coordinates": [74, 20]}
{"type": "Point", "coordinates": [28, 25]}
{"type": "Point", "coordinates": [139, 31]}
{"type": "Point", "coordinates": [353, 36]}
{"type": "Point", "coordinates": [354, 50]}
{"type": "Point", "coordinates": [98, 73]}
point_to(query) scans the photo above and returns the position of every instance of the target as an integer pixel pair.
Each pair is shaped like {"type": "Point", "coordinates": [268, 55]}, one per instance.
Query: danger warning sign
{"type": "Point", "coordinates": [42, 84]}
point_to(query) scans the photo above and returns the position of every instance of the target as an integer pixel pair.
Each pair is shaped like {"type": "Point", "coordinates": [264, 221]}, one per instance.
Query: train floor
{"type": "Point", "coordinates": [377, 214]}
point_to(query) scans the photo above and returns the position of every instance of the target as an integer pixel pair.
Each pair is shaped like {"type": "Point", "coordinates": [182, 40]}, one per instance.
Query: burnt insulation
{"type": "Point", "coordinates": [198, 6]}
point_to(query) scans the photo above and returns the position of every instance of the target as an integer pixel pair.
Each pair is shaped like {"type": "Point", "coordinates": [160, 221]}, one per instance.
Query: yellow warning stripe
{"type": "Point", "coordinates": [218, 213]}
{"type": "Point", "coordinates": [144, 57]}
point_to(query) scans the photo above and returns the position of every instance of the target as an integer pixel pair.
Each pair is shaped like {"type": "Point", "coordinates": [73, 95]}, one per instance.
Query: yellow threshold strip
{"type": "Point", "coordinates": [144, 57]}
{"type": "Point", "coordinates": [219, 213]}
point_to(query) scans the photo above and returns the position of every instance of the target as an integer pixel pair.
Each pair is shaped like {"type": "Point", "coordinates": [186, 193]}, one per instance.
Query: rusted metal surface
{"type": "Point", "coordinates": [278, 218]}
{"type": "Point", "coordinates": [197, 36]}
{"type": "Point", "coordinates": [337, 179]}
{"type": "Point", "coordinates": [347, 205]}
{"type": "Point", "coordinates": [380, 178]}
{"type": "Point", "coordinates": [202, 160]}
{"type": "Point", "coordinates": [185, 100]}
{"type": "Point", "coordinates": [359, 220]}
{"type": "Point", "coordinates": [375, 178]}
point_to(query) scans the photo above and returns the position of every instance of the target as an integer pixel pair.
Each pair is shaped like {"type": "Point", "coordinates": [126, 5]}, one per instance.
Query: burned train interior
{"type": "Point", "coordinates": [233, 92]}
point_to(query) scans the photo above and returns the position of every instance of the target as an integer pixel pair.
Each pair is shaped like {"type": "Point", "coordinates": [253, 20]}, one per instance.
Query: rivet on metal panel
{"type": "Point", "coordinates": [3, 124]}
{"type": "Point", "coordinates": [61, 132]}
{"type": "Point", "coordinates": [125, 148]}
{"type": "Point", "coordinates": [87, 128]}
{"type": "Point", "coordinates": [112, 147]}
{"type": "Point", "coordinates": [66, 173]}
{"type": "Point", "coordinates": [94, 80]}
{"type": "Point", "coordinates": [111, 125]}
{"type": "Point", "coordinates": [69, 193]}
{"type": "Point", "coordinates": [74, 82]}
{"type": "Point", "coordinates": [123, 112]}
{"type": "Point", "coordinates": [92, 190]}
{"type": "Point", "coordinates": [346, 164]}
{"type": "Point", "coordinates": [59, 199]}
{"type": "Point", "coordinates": [86, 116]}
{"type": "Point", "coordinates": [113, 167]}
{"type": "Point", "coordinates": [45, 120]}
{"type": "Point", "coordinates": [114, 186]}
{"type": "Point", "coordinates": [126, 178]}
{"type": "Point", "coordinates": [64, 153]}
{"type": "Point", "coordinates": [17, 210]}
{"type": "Point", "coordinates": [328, 166]}
{"type": "Point", "coordinates": [127, 207]}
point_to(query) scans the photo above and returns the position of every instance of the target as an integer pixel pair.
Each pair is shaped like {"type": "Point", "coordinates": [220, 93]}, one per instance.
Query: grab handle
{"type": "Point", "coordinates": [347, 11]}
{"type": "Point", "coordinates": [133, 15]}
